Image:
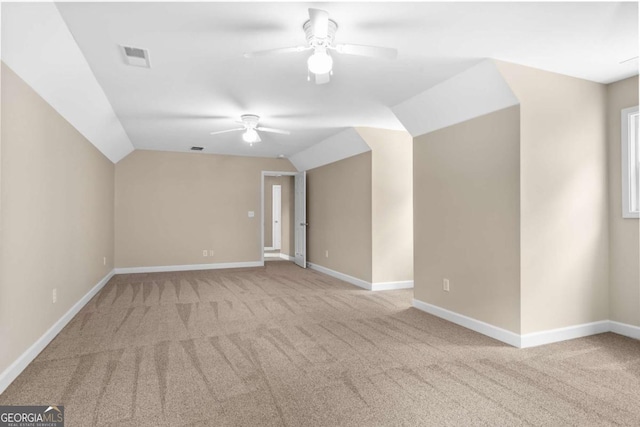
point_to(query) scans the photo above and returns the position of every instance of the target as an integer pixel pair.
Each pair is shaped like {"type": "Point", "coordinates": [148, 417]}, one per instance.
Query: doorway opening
{"type": "Point", "coordinates": [284, 217]}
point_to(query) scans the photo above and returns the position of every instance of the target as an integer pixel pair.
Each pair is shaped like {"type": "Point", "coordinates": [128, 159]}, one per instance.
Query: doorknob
{"type": "Point", "coordinates": [305, 224]}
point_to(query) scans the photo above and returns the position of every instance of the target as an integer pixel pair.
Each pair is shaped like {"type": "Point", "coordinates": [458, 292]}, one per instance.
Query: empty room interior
{"type": "Point", "coordinates": [320, 214]}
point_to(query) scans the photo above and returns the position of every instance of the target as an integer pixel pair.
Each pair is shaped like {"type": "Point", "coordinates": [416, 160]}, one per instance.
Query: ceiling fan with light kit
{"type": "Point", "coordinates": [250, 127]}
{"type": "Point", "coordinates": [320, 34]}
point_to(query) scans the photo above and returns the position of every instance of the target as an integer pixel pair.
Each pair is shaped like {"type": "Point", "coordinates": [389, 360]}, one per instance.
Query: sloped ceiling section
{"type": "Point", "coordinates": [344, 144]}
{"type": "Point", "coordinates": [37, 45]}
{"type": "Point", "coordinates": [474, 92]}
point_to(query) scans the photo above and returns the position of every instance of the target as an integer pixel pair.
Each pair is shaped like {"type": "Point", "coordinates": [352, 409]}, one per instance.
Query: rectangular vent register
{"type": "Point", "coordinates": [136, 56]}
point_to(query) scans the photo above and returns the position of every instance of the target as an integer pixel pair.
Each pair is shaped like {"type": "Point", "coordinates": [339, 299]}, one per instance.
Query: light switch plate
{"type": "Point", "coordinates": [252, 214]}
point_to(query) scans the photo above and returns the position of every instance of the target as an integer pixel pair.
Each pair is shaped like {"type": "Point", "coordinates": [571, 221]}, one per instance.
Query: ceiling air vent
{"type": "Point", "coordinates": [136, 56]}
{"type": "Point", "coordinates": [197, 148]}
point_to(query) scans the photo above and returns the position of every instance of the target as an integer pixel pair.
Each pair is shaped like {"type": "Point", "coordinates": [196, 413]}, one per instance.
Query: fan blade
{"type": "Point", "coordinates": [371, 51]}
{"type": "Point", "coordinates": [276, 51]}
{"type": "Point", "coordinates": [282, 132]}
{"type": "Point", "coordinates": [225, 131]}
{"type": "Point", "coordinates": [319, 22]}
{"type": "Point", "coordinates": [323, 78]}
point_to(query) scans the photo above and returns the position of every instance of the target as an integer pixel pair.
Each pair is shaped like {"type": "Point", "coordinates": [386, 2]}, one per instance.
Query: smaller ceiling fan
{"type": "Point", "coordinates": [250, 127]}
{"type": "Point", "coordinates": [320, 33]}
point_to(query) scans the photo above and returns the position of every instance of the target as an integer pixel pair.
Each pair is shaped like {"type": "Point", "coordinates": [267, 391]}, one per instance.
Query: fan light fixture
{"type": "Point", "coordinates": [250, 136]}
{"type": "Point", "coordinates": [320, 33]}
{"type": "Point", "coordinates": [250, 129]}
{"type": "Point", "coordinates": [320, 62]}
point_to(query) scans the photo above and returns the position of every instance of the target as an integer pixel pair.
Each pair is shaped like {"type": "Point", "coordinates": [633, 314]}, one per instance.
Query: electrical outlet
{"type": "Point", "coordinates": [204, 252]}
{"type": "Point", "coordinates": [251, 214]}
{"type": "Point", "coordinates": [445, 285]}
{"type": "Point", "coordinates": [211, 252]}
{"type": "Point", "coordinates": [54, 295]}
{"type": "Point", "coordinates": [326, 254]}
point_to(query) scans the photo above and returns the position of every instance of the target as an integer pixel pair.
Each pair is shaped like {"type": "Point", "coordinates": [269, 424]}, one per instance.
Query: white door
{"type": "Point", "coordinates": [276, 228]}
{"type": "Point", "coordinates": [300, 189]}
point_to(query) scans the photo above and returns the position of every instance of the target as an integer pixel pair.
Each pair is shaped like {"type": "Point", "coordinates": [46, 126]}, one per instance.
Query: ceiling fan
{"type": "Point", "coordinates": [320, 32]}
{"type": "Point", "coordinates": [250, 127]}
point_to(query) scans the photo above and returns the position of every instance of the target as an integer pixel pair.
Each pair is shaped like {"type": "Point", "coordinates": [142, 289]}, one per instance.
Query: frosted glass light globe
{"type": "Point", "coordinates": [320, 62]}
{"type": "Point", "coordinates": [250, 136]}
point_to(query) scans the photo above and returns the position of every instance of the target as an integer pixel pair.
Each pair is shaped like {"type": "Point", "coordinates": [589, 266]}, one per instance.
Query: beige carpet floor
{"type": "Point", "coordinates": [283, 346]}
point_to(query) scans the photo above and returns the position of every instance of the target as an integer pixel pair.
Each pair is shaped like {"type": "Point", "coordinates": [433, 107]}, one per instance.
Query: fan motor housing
{"type": "Point", "coordinates": [250, 120]}
{"type": "Point", "coordinates": [314, 41]}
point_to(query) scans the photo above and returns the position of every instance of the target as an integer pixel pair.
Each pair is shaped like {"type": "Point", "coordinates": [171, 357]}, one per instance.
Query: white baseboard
{"type": "Point", "coordinates": [625, 329]}
{"type": "Point", "coordinates": [272, 255]}
{"type": "Point", "coordinates": [279, 256]}
{"type": "Point", "coordinates": [16, 368]}
{"type": "Point", "coordinates": [390, 286]}
{"type": "Point", "coordinates": [532, 339]}
{"type": "Point", "coordinates": [268, 249]}
{"type": "Point", "coordinates": [381, 286]}
{"type": "Point", "coordinates": [344, 277]}
{"type": "Point", "coordinates": [494, 332]}
{"type": "Point", "coordinates": [188, 267]}
{"type": "Point", "coordinates": [563, 334]}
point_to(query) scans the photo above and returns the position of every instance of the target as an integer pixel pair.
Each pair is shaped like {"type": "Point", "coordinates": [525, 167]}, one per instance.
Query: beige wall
{"type": "Point", "coordinates": [339, 216]}
{"type": "Point", "coordinates": [169, 207]}
{"type": "Point", "coordinates": [624, 244]}
{"type": "Point", "coordinates": [392, 204]}
{"type": "Point", "coordinates": [56, 220]}
{"type": "Point", "coordinates": [287, 212]}
{"type": "Point", "coordinates": [467, 218]}
{"type": "Point", "coordinates": [564, 215]}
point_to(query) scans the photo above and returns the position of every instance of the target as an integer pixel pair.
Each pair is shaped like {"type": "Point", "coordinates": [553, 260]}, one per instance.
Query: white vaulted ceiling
{"type": "Point", "coordinates": [200, 82]}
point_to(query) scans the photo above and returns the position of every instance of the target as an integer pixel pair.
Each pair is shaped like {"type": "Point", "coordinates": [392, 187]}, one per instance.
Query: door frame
{"type": "Point", "coordinates": [300, 222]}
{"type": "Point", "coordinates": [267, 173]}
{"type": "Point", "coordinates": [276, 216]}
